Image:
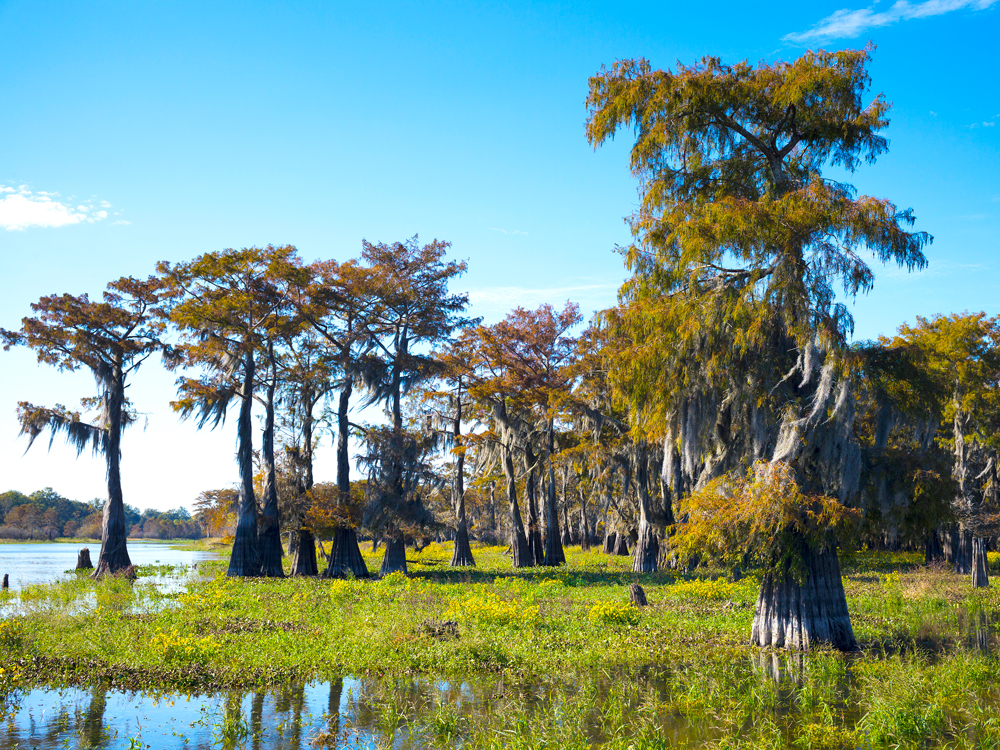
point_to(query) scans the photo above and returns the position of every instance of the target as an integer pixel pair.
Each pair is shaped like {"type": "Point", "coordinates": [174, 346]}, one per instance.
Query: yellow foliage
{"type": "Point", "coordinates": [612, 613]}
{"type": "Point", "coordinates": [489, 609]}
{"type": "Point", "coordinates": [173, 647]}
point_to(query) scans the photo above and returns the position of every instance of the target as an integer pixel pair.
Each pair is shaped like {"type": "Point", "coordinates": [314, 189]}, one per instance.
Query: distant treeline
{"type": "Point", "coordinates": [46, 514]}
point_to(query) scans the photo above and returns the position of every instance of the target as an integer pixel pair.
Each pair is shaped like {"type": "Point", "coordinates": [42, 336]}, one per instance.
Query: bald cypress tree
{"type": "Point", "coordinates": [111, 338]}
{"type": "Point", "coordinates": [229, 312]}
{"type": "Point", "coordinates": [734, 341]}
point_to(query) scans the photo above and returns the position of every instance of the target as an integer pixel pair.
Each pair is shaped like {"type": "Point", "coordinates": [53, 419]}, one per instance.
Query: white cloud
{"type": "Point", "coordinates": [121, 221]}
{"type": "Point", "coordinates": [495, 302]}
{"type": "Point", "coordinates": [846, 23]}
{"type": "Point", "coordinates": [21, 208]}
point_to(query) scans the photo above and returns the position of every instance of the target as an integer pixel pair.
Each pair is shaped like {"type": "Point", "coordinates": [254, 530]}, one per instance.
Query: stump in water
{"type": "Point", "coordinates": [797, 615]}
{"type": "Point", "coordinates": [83, 560]}
{"type": "Point", "coordinates": [394, 558]}
{"type": "Point", "coordinates": [980, 571]}
{"type": "Point", "coordinates": [6, 581]}
{"type": "Point", "coordinates": [345, 556]}
{"type": "Point", "coordinates": [636, 595]}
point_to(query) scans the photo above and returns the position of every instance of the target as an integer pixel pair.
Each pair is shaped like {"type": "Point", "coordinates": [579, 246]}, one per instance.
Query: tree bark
{"type": "Point", "coordinates": [114, 552]}
{"type": "Point", "coordinates": [394, 558]}
{"type": "Point", "coordinates": [345, 556]}
{"type": "Point", "coordinates": [269, 544]}
{"type": "Point", "coordinates": [933, 549]}
{"type": "Point", "coordinates": [521, 554]}
{"type": "Point", "coordinates": [963, 552]}
{"type": "Point", "coordinates": [304, 561]}
{"type": "Point", "coordinates": [621, 545]}
{"type": "Point", "coordinates": [980, 567]}
{"type": "Point", "coordinates": [553, 544]}
{"type": "Point", "coordinates": [535, 547]}
{"type": "Point", "coordinates": [462, 554]}
{"type": "Point", "coordinates": [647, 549]}
{"type": "Point", "coordinates": [83, 560]}
{"type": "Point", "coordinates": [245, 560]}
{"type": "Point", "coordinates": [585, 535]}
{"type": "Point", "coordinates": [799, 616]}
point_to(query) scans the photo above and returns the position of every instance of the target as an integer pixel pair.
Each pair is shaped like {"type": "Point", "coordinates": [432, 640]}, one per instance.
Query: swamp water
{"type": "Point", "coordinates": [942, 690]}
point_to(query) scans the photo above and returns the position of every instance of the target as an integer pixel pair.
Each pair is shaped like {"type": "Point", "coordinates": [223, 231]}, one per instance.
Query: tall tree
{"type": "Point", "coordinates": [111, 338]}
{"type": "Point", "coordinates": [960, 355]}
{"type": "Point", "coordinates": [735, 341]}
{"type": "Point", "coordinates": [416, 311]}
{"type": "Point", "coordinates": [227, 308]}
{"type": "Point", "coordinates": [339, 302]}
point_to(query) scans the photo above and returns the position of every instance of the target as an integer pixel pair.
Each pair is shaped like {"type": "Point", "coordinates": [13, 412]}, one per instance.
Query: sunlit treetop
{"type": "Point", "coordinates": [734, 207]}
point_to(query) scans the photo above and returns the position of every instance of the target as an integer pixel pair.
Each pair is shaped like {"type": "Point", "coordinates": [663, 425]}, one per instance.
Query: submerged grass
{"type": "Point", "coordinates": [552, 657]}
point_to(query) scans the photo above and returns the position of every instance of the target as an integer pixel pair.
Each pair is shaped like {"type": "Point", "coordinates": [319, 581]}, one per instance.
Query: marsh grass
{"type": "Point", "coordinates": [539, 657]}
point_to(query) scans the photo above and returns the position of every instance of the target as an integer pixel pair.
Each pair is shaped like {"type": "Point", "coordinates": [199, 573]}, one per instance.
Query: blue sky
{"type": "Point", "coordinates": [135, 132]}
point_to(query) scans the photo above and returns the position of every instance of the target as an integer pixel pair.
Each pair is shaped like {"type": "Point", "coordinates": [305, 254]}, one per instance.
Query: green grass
{"type": "Point", "coordinates": [599, 670]}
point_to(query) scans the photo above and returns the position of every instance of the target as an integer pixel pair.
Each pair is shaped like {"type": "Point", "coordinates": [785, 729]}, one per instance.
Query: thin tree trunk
{"type": "Point", "coordinates": [245, 560]}
{"type": "Point", "coordinates": [345, 556]}
{"type": "Point", "coordinates": [535, 546]}
{"type": "Point", "coordinates": [963, 553]}
{"type": "Point", "coordinates": [980, 568]}
{"type": "Point", "coordinates": [647, 549]}
{"type": "Point", "coordinates": [521, 554]}
{"type": "Point", "coordinates": [799, 616]}
{"type": "Point", "coordinates": [553, 544]}
{"type": "Point", "coordinates": [114, 552]}
{"type": "Point", "coordinates": [585, 535]}
{"type": "Point", "coordinates": [462, 553]}
{"type": "Point", "coordinates": [270, 522]}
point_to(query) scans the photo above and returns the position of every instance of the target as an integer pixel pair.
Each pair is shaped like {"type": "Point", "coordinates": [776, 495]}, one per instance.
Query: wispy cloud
{"type": "Point", "coordinates": [985, 124]}
{"type": "Point", "coordinates": [21, 208]}
{"type": "Point", "coordinates": [846, 23]}
{"type": "Point", "coordinates": [504, 231]}
{"type": "Point", "coordinates": [495, 302]}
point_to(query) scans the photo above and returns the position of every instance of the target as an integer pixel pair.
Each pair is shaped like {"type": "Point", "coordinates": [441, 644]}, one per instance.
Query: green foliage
{"type": "Point", "coordinates": [760, 519]}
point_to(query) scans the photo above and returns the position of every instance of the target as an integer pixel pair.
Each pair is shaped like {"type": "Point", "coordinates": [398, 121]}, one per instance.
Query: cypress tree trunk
{"type": "Point", "coordinates": [245, 560]}
{"type": "Point", "coordinates": [395, 556]}
{"type": "Point", "coordinates": [304, 561]}
{"type": "Point", "coordinates": [462, 554]}
{"type": "Point", "coordinates": [799, 616]}
{"type": "Point", "coordinates": [933, 549]}
{"type": "Point", "coordinates": [610, 538]}
{"type": "Point", "coordinates": [553, 544]}
{"type": "Point", "coordinates": [114, 552]}
{"type": "Point", "coordinates": [535, 546]}
{"type": "Point", "coordinates": [345, 557]}
{"type": "Point", "coordinates": [647, 549]}
{"type": "Point", "coordinates": [269, 545]}
{"type": "Point", "coordinates": [585, 536]}
{"type": "Point", "coordinates": [980, 569]}
{"type": "Point", "coordinates": [521, 554]}
{"type": "Point", "coordinates": [963, 553]}
{"type": "Point", "coordinates": [621, 545]}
